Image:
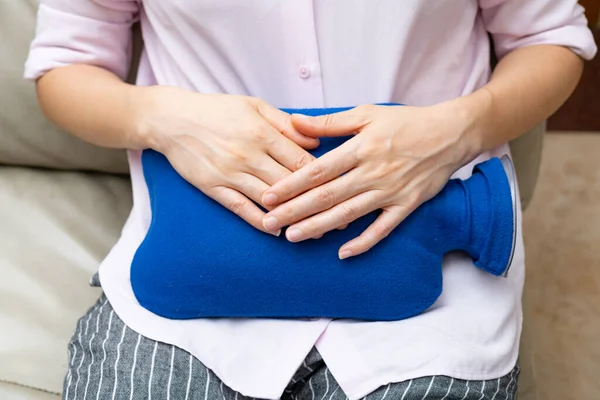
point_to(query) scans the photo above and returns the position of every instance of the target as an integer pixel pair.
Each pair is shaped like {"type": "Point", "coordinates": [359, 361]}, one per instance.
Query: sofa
{"type": "Point", "coordinates": [62, 206]}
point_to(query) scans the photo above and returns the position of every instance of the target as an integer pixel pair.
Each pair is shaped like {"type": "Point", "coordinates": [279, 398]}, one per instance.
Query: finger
{"type": "Point", "coordinates": [282, 121]}
{"type": "Point", "coordinates": [338, 228]}
{"type": "Point", "coordinates": [240, 205]}
{"type": "Point", "coordinates": [339, 215]}
{"type": "Point", "coordinates": [384, 224]}
{"type": "Point", "coordinates": [327, 167]}
{"type": "Point", "coordinates": [337, 124]}
{"type": "Point", "coordinates": [289, 154]}
{"type": "Point", "coordinates": [314, 201]}
{"type": "Point", "coordinates": [251, 187]}
{"type": "Point", "coordinates": [269, 170]}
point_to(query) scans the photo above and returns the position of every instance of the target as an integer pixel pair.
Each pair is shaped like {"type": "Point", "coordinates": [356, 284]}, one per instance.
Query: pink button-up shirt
{"type": "Point", "coordinates": [319, 53]}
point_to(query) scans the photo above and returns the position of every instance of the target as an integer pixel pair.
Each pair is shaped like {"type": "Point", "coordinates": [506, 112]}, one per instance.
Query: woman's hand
{"type": "Point", "coordinates": [399, 158]}
{"type": "Point", "coordinates": [232, 148]}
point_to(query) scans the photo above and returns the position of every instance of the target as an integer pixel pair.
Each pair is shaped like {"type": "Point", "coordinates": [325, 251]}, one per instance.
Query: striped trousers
{"type": "Point", "coordinates": [109, 361]}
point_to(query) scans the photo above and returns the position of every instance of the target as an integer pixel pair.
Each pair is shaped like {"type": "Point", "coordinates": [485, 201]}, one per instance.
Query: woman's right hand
{"type": "Point", "coordinates": [230, 147]}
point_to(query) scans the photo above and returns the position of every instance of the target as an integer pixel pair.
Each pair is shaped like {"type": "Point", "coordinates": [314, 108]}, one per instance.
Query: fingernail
{"type": "Point", "coordinates": [302, 116]}
{"type": "Point", "coordinates": [278, 233]}
{"type": "Point", "coordinates": [305, 118]}
{"type": "Point", "coordinates": [345, 254]}
{"type": "Point", "coordinates": [270, 199]}
{"type": "Point", "coordinates": [271, 224]}
{"type": "Point", "coordinates": [294, 234]}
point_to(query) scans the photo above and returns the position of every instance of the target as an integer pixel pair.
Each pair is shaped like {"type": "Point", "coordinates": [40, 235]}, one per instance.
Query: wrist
{"type": "Point", "coordinates": [473, 114]}
{"type": "Point", "coordinates": [145, 105]}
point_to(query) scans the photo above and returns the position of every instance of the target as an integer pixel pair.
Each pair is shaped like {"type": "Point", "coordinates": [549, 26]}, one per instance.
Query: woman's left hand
{"type": "Point", "coordinates": [398, 158]}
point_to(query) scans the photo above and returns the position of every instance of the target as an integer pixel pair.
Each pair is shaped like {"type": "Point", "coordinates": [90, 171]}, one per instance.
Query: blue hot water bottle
{"type": "Point", "coordinates": [200, 260]}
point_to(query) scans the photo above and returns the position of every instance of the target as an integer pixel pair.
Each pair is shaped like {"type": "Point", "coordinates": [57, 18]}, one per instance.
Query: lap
{"type": "Point", "coordinates": [322, 385]}
{"type": "Point", "coordinates": [108, 360]}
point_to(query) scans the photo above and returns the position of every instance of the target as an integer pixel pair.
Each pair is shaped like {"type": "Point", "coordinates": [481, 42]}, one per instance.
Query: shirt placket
{"type": "Point", "coordinates": [304, 64]}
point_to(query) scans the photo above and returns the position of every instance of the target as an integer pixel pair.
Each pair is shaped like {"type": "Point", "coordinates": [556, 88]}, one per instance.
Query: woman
{"type": "Point", "coordinates": [212, 78]}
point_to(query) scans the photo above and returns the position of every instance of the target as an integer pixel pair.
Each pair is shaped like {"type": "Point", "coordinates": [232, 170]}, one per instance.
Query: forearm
{"type": "Point", "coordinates": [94, 105]}
{"type": "Point", "coordinates": [528, 85]}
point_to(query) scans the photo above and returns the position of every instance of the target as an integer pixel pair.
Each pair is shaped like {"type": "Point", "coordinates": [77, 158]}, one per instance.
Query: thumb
{"type": "Point", "coordinates": [342, 123]}
{"type": "Point", "coordinates": [282, 122]}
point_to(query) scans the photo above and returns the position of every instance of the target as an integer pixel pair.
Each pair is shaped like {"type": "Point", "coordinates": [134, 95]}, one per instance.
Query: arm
{"type": "Point", "coordinates": [96, 106]}
{"type": "Point", "coordinates": [190, 129]}
{"type": "Point", "coordinates": [528, 86]}
{"type": "Point", "coordinates": [541, 46]}
{"type": "Point", "coordinates": [80, 73]}
{"type": "Point", "coordinates": [401, 157]}
{"type": "Point", "coordinates": [80, 87]}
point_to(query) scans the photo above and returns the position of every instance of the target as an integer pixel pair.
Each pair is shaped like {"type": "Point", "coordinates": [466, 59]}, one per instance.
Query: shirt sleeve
{"type": "Point", "coordinates": [93, 32]}
{"type": "Point", "coordinates": [519, 23]}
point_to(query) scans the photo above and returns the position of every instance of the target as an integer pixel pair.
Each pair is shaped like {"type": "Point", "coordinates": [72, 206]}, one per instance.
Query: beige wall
{"type": "Point", "coordinates": [562, 293]}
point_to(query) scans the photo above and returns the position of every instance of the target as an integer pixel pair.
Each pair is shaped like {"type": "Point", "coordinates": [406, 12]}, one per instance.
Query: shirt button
{"type": "Point", "coordinates": [304, 72]}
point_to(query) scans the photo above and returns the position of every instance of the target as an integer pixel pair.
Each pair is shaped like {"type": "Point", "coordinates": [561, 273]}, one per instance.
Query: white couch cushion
{"type": "Point", "coordinates": [55, 228]}
{"type": "Point", "coordinates": [8, 391]}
